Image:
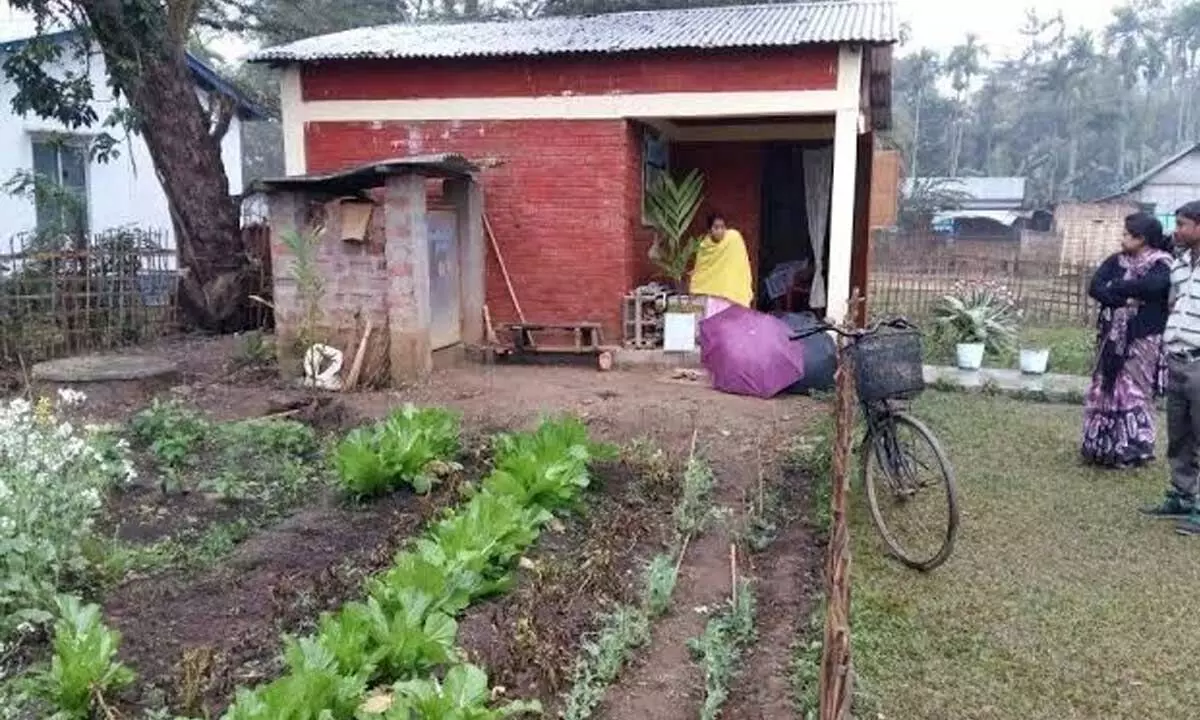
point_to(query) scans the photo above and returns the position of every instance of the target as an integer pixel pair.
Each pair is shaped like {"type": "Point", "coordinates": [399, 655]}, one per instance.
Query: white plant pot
{"type": "Point", "coordinates": [969, 356]}
{"type": "Point", "coordinates": [679, 332]}
{"type": "Point", "coordinates": [1034, 361]}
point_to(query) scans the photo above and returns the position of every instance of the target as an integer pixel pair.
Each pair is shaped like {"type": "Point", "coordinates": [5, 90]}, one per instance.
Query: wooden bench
{"type": "Point", "coordinates": [588, 337]}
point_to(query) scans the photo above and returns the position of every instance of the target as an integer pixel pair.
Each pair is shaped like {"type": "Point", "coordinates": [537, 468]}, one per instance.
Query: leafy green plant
{"type": "Point", "coordinates": [395, 643]}
{"type": "Point", "coordinates": [446, 588]}
{"type": "Point", "coordinates": [671, 207]}
{"type": "Point", "coordinates": [405, 628]}
{"type": "Point", "coordinates": [313, 688]}
{"type": "Point", "coordinates": [412, 446]}
{"type": "Point", "coordinates": [979, 312]}
{"type": "Point", "coordinates": [547, 468]}
{"type": "Point", "coordinates": [659, 585]}
{"type": "Point", "coordinates": [719, 649]}
{"type": "Point", "coordinates": [462, 695]}
{"type": "Point", "coordinates": [621, 632]}
{"type": "Point", "coordinates": [254, 350]}
{"type": "Point", "coordinates": [695, 505]}
{"type": "Point", "coordinates": [170, 431]}
{"type": "Point", "coordinates": [84, 666]}
{"type": "Point", "coordinates": [484, 539]}
{"type": "Point", "coordinates": [269, 461]}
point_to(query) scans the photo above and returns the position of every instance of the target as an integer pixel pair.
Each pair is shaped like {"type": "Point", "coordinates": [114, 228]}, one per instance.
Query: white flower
{"type": "Point", "coordinates": [70, 398]}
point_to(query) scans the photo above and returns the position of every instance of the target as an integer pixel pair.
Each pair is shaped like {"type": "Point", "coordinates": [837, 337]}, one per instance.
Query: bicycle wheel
{"type": "Point", "coordinates": [911, 491]}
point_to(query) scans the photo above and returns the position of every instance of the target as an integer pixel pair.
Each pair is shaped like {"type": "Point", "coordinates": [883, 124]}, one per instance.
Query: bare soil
{"type": "Point", "coordinates": [192, 640]}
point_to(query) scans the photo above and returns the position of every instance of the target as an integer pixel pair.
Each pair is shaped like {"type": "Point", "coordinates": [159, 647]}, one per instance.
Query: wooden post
{"type": "Point", "coordinates": [836, 680]}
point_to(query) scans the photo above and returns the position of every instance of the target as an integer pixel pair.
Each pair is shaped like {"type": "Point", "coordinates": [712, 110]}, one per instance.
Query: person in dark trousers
{"type": "Point", "coordinates": [1181, 341]}
{"type": "Point", "coordinates": [1132, 288]}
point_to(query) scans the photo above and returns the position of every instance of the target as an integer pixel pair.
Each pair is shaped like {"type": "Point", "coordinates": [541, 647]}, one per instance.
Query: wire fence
{"type": "Point", "coordinates": [911, 282]}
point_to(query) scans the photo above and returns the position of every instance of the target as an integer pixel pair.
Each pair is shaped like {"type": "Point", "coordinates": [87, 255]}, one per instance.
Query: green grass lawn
{"type": "Point", "coordinates": [1059, 602]}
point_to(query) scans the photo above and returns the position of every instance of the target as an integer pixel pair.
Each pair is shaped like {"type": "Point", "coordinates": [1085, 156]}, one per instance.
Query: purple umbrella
{"type": "Point", "coordinates": [749, 353]}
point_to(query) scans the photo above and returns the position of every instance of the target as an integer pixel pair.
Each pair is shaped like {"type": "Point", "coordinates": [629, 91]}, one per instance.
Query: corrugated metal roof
{"type": "Point", "coordinates": [979, 189]}
{"type": "Point", "coordinates": [1145, 177]}
{"type": "Point", "coordinates": [746, 26]}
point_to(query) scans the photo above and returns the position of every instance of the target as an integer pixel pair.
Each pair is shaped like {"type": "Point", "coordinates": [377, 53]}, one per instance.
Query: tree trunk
{"type": "Point", "coordinates": [149, 65]}
{"type": "Point", "coordinates": [1123, 136]}
{"type": "Point", "coordinates": [916, 148]}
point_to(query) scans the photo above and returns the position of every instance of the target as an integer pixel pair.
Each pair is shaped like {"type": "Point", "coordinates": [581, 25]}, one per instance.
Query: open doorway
{"type": "Point", "coordinates": [789, 265]}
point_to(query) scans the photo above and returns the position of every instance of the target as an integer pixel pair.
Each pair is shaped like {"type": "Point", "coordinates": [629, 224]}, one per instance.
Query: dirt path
{"type": "Point", "coordinates": [787, 573]}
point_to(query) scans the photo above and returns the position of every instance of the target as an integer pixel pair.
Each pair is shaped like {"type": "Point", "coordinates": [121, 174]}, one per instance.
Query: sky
{"type": "Point", "coordinates": [941, 24]}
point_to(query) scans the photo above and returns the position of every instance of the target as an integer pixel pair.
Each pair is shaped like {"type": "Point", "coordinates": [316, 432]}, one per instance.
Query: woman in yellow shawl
{"type": "Point", "coordinates": [722, 270]}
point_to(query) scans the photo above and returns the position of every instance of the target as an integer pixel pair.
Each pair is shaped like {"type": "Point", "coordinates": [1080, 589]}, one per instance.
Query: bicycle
{"type": "Point", "coordinates": [887, 364]}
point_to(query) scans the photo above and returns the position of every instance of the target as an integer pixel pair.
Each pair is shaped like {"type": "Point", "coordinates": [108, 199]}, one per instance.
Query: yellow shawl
{"type": "Point", "coordinates": [723, 269]}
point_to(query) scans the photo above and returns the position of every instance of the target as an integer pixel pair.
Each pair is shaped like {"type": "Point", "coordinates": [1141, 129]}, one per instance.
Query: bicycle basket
{"type": "Point", "coordinates": [887, 365]}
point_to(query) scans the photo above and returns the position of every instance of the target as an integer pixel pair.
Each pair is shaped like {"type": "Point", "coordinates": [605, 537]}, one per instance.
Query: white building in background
{"type": "Point", "coordinates": [1165, 187]}
{"type": "Point", "coordinates": [122, 192]}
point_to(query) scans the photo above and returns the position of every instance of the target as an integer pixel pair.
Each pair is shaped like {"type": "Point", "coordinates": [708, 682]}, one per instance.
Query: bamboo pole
{"type": "Point", "coordinates": [836, 678]}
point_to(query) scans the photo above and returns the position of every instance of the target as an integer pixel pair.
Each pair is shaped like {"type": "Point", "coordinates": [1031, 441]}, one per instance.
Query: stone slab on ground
{"type": "Point", "coordinates": [626, 359]}
{"type": "Point", "coordinates": [1064, 388]}
{"type": "Point", "coordinates": [104, 368]}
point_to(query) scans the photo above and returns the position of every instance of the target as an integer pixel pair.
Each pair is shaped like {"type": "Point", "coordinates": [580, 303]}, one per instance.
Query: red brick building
{"type": "Point", "coordinates": [776, 104]}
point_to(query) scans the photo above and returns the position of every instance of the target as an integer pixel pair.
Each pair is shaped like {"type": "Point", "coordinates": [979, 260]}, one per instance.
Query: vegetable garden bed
{"type": "Point", "coordinates": [204, 581]}
{"type": "Point", "coordinates": [529, 638]}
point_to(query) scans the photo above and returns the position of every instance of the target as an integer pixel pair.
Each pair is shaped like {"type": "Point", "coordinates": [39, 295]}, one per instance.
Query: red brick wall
{"type": "Point", "coordinates": [684, 71]}
{"type": "Point", "coordinates": [558, 202]}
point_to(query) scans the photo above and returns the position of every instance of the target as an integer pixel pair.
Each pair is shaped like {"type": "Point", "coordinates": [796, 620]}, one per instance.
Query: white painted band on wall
{"type": "Point", "coordinates": [578, 107]}
{"type": "Point", "coordinates": [297, 112]}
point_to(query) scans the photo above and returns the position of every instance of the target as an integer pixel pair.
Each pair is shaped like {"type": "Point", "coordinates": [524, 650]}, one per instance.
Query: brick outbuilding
{"type": "Point", "coordinates": [571, 117]}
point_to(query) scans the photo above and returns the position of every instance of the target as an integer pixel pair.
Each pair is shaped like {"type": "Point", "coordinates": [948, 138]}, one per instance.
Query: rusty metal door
{"type": "Point", "coordinates": [444, 305]}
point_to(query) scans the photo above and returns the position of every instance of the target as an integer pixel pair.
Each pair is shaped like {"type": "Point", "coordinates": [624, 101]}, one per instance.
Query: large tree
{"type": "Point", "coordinates": [143, 43]}
{"type": "Point", "coordinates": [1075, 114]}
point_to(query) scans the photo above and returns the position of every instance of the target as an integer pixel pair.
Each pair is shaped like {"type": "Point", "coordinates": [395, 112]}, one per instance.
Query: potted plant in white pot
{"type": "Point", "coordinates": [671, 207]}
{"type": "Point", "coordinates": [1034, 358]}
{"type": "Point", "coordinates": [979, 317]}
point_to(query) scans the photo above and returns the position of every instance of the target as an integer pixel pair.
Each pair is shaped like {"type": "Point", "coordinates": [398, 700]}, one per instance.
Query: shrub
{"type": "Point", "coordinates": [53, 477]}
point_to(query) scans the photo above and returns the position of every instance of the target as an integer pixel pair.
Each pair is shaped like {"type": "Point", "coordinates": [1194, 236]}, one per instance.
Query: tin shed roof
{"type": "Point", "coordinates": [371, 175]}
{"type": "Point", "coordinates": [746, 26]}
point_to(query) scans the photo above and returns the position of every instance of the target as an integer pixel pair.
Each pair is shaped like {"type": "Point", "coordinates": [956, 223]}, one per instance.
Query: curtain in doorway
{"type": "Point", "coordinates": [818, 185]}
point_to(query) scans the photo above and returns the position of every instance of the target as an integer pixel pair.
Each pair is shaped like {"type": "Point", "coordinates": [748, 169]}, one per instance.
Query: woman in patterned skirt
{"type": "Point", "coordinates": [1132, 288]}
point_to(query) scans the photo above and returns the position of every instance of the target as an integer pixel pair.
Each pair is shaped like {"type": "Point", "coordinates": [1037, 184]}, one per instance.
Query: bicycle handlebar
{"type": "Point", "coordinates": [897, 323]}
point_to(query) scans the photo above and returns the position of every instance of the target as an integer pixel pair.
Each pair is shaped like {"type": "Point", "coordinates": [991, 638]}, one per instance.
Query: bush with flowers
{"type": "Point", "coordinates": [979, 311]}
{"type": "Point", "coordinates": [53, 478]}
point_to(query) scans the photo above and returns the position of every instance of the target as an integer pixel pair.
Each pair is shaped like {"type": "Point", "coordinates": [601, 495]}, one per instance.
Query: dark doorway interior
{"type": "Point", "coordinates": [784, 236]}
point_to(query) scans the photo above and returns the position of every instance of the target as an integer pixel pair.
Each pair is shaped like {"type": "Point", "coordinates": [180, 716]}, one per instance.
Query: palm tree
{"type": "Point", "coordinates": [963, 65]}
{"type": "Point", "coordinates": [924, 70]}
{"type": "Point", "coordinates": [1124, 35]}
